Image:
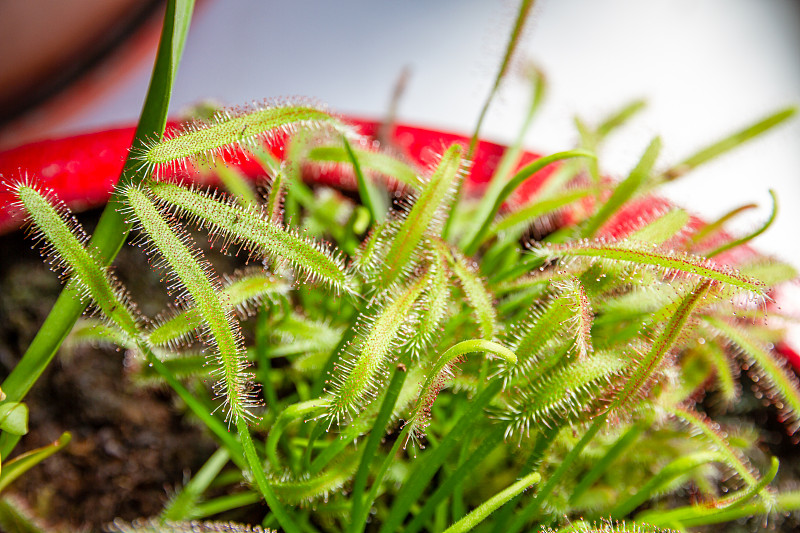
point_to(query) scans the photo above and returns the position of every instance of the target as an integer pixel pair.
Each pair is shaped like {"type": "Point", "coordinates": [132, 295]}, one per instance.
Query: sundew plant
{"type": "Point", "coordinates": [427, 353]}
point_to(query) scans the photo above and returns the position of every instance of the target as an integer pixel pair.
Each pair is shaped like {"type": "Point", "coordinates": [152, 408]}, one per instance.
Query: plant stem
{"type": "Point", "coordinates": [488, 507]}
{"type": "Point", "coordinates": [522, 174]}
{"type": "Point", "coordinates": [430, 463]}
{"type": "Point", "coordinates": [359, 522]}
{"type": "Point", "coordinates": [488, 444]}
{"type": "Point", "coordinates": [617, 449]}
{"type": "Point", "coordinates": [522, 15]}
{"type": "Point", "coordinates": [543, 441]}
{"type": "Point", "coordinates": [262, 356]}
{"type": "Point", "coordinates": [531, 510]}
{"type": "Point", "coordinates": [370, 450]}
{"type": "Point", "coordinates": [262, 483]}
{"type": "Point", "coordinates": [198, 408]}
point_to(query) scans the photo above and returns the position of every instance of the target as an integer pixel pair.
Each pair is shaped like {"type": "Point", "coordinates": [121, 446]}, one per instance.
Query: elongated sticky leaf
{"type": "Point", "coordinates": [680, 314]}
{"type": "Point", "coordinates": [434, 304]}
{"type": "Point", "coordinates": [441, 372]}
{"type": "Point", "coordinates": [193, 273]}
{"type": "Point", "coordinates": [245, 127]}
{"type": "Point", "coordinates": [243, 293]}
{"type": "Point", "coordinates": [668, 261]}
{"type": "Point", "coordinates": [478, 296]}
{"type": "Point", "coordinates": [253, 228]}
{"type": "Point", "coordinates": [779, 383]}
{"type": "Point", "coordinates": [717, 439]}
{"type": "Point", "coordinates": [561, 396]}
{"type": "Point", "coordinates": [424, 217]}
{"type": "Point", "coordinates": [65, 242]}
{"type": "Point", "coordinates": [360, 371]}
{"type": "Point", "coordinates": [316, 487]}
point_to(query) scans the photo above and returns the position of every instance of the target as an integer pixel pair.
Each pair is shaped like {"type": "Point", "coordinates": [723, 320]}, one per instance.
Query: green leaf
{"type": "Point", "coordinates": [14, 418]}
{"type": "Point", "coordinates": [182, 505]}
{"type": "Point", "coordinates": [728, 143]}
{"type": "Point", "coordinates": [14, 516]}
{"type": "Point", "coordinates": [424, 217]}
{"type": "Point", "coordinates": [376, 161]}
{"type": "Point", "coordinates": [65, 244]}
{"type": "Point", "coordinates": [245, 292]}
{"type": "Point", "coordinates": [667, 261]}
{"type": "Point", "coordinates": [750, 236]}
{"type": "Point", "coordinates": [516, 221]}
{"type": "Point", "coordinates": [617, 119]}
{"type": "Point", "coordinates": [362, 365]}
{"type": "Point", "coordinates": [236, 182]}
{"type": "Point", "coordinates": [717, 441]}
{"type": "Point", "coordinates": [308, 409]}
{"type": "Point", "coordinates": [625, 190]}
{"type": "Point", "coordinates": [193, 273]}
{"type": "Point", "coordinates": [510, 159]}
{"type": "Point", "coordinates": [492, 504]}
{"type": "Point", "coordinates": [565, 395]}
{"type": "Point", "coordinates": [779, 382]}
{"type": "Point", "coordinates": [253, 228]}
{"type": "Point", "coordinates": [523, 174]}
{"type": "Point", "coordinates": [371, 197]}
{"type": "Point", "coordinates": [22, 463]}
{"type": "Point", "coordinates": [523, 11]}
{"type": "Point", "coordinates": [663, 228]}
{"type": "Point", "coordinates": [245, 127]}
{"type": "Point", "coordinates": [441, 372]}
{"type": "Point", "coordinates": [713, 227]}
{"type": "Point", "coordinates": [478, 296]}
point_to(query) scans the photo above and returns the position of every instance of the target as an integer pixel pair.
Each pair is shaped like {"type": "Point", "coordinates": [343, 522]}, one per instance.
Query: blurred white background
{"type": "Point", "coordinates": [705, 67]}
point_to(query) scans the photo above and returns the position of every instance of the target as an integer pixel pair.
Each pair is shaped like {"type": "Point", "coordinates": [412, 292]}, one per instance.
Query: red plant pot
{"type": "Point", "coordinates": [83, 169]}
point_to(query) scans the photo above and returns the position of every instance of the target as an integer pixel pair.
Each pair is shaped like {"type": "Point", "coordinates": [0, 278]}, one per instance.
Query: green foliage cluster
{"type": "Point", "coordinates": [357, 407]}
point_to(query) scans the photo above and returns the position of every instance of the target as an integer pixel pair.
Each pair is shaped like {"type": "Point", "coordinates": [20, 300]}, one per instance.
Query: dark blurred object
{"type": "Point", "coordinates": [58, 55]}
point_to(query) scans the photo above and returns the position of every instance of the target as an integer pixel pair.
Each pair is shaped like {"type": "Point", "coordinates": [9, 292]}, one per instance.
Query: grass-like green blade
{"type": "Point", "coordinates": [371, 197]}
{"type": "Point", "coordinates": [22, 463]}
{"type": "Point", "coordinates": [523, 174]}
{"type": "Point", "coordinates": [712, 227]}
{"type": "Point", "coordinates": [750, 236]}
{"type": "Point", "coordinates": [181, 506]}
{"type": "Point", "coordinates": [112, 230]}
{"type": "Point", "coordinates": [520, 218]}
{"type": "Point", "coordinates": [492, 504]}
{"type": "Point", "coordinates": [728, 143]}
{"type": "Point", "coordinates": [625, 190]}
{"type": "Point", "coordinates": [375, 161]}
